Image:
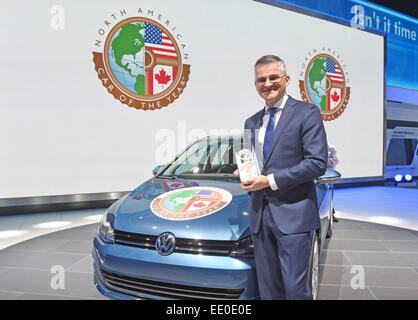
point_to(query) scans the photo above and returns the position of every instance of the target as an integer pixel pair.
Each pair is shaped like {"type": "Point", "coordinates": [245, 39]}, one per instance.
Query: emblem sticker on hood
{"type": "Point", "coordinates": [190, 203]}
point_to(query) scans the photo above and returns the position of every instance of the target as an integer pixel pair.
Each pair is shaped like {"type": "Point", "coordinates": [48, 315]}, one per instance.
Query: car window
{"type": "Point", "coordinates": [206, 158]}
{"type": "Point", "coordinates": [401, 151]}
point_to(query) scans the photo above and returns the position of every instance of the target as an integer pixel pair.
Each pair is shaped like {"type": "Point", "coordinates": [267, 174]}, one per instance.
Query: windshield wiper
{"type": "Point", "coordinates": [171, 176]}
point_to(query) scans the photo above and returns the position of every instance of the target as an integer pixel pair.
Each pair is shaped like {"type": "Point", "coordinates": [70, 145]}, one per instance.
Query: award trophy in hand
{"type": "Point", "coordinates": [247, 164]}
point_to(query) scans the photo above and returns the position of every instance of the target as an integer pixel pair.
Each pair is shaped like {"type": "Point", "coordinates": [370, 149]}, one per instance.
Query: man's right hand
{"type": "Point", "coordinates": [236, 173]}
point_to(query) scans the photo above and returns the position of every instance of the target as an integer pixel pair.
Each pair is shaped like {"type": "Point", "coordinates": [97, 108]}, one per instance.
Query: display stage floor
{"type": "Point", "coordinates": [387, 256]}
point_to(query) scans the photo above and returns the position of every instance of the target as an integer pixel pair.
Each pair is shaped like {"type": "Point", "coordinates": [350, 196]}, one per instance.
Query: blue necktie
{"type": "Point", "coordinates": [269, 133]}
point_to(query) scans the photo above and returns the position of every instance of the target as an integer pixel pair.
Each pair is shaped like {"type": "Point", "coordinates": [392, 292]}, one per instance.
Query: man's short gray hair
{"type": "Point", "coordinates": [267, 59]}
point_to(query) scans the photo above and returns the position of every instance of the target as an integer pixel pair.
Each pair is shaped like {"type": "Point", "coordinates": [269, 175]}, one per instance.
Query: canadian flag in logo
{"type": "Point", "coordinates": [198, 205]}
{"type": "Point", "coordinates": [334, 97]}
{"type": "Point", "coordinates": [160, 78]}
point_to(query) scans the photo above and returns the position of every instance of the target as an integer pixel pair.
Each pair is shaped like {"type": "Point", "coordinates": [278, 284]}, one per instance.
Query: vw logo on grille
{"type": "Point", "coordinates": [165, 243]}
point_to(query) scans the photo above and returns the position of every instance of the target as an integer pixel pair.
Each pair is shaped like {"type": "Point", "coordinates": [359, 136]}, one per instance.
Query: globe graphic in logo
{"type": "Point", "coordinates": [143, 58]}
{"type": "Point", "coordinates": [127, 62]}
{"type": "Point", "coordinates": [325, 86]}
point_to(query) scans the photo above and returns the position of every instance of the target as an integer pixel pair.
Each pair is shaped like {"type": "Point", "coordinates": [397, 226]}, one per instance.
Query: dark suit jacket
{"type": "Point", "coordinates": [298, 155]}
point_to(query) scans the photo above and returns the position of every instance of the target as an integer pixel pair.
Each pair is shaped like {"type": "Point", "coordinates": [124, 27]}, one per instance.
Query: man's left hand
{"type": "Point", "coordinates": [255, 184]}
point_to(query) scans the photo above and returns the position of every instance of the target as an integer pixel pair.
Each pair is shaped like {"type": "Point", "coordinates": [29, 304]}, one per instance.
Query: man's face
{"type": "Point", "coordinates": [270, 82]}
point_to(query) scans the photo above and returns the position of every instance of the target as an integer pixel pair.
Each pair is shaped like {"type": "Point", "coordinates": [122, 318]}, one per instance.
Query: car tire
{"type": "Point", "coordinates": [331, 223]}
{"type": "Point", "coordinates": [314, 267]}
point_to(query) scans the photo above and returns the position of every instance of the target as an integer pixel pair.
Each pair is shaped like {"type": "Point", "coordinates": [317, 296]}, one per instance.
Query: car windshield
{"type": "Point", "coordinates": [208, 158]}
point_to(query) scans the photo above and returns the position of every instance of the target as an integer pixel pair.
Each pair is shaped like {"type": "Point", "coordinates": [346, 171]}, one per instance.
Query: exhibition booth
{"type": "Point", "coordinates": [119, 121]}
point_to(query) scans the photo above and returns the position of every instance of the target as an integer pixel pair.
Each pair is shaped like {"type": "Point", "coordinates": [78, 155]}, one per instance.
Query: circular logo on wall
{"type": "Point", "coordinates": [324, 84]}
{"type": "Point", "coordinates": [141, 64]}
{"type": "Point", "coordinates": [190, 203]}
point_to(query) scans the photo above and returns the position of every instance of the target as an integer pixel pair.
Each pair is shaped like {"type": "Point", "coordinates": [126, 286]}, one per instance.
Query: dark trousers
{"type": "Point", "coordinates": [282, 261]}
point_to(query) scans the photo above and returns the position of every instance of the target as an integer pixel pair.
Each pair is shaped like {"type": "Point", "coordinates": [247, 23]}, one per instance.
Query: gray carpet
{"type": "Point", "coordinates": [362, 261]}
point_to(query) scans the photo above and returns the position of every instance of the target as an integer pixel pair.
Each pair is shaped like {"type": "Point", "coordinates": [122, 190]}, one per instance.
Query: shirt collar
{"type": "Point", "coordinates": [278, 105]}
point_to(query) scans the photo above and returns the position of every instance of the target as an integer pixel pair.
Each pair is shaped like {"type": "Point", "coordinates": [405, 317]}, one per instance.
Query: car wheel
{"type": "Point", "coordinates": [314, 267]}
{"type": "Point", "coordinates": [331, 223]}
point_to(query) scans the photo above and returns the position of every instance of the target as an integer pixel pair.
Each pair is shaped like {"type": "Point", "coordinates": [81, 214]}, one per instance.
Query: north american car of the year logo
{"type": "Point", "coordinates": [141, 64]}
{"type": "Point", "coordinates": [190, 203]}
{"type": "Point", "coordinates": [324, 83]}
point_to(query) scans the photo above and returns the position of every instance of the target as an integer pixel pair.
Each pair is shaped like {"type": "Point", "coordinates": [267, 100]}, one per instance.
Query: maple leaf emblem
{"type": "Point", "coordinates": [199, 205]}
{"type": "Point", "coordinates": [162, 77]}
{"type": "Point", "coordinates": [335, 97]}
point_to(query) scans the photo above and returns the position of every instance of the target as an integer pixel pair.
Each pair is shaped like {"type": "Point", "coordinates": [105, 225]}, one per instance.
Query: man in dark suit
{"type": "Point", "coordinates": [283, 205]}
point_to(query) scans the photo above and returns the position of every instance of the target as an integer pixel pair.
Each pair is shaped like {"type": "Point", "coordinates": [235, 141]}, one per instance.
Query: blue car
{"type": "Point", "coordinates": [184, 234]}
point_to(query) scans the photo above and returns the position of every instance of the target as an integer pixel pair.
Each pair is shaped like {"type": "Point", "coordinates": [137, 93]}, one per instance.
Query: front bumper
{"type": "Point", "coordinates": [123, 272]}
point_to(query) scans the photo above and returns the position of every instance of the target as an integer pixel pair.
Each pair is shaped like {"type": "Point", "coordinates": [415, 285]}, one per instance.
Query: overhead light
{"type": "Point", "coordinates": [96, 217]}
{"type": "Point", "coordinates": [10, 234]}
{"type": "Point", "coordinates": [52, 225]}
{"type": "Point", "coordinates": [385, 220]}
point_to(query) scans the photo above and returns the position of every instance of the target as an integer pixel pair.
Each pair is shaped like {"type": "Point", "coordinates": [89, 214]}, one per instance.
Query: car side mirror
{"type": "Point", "coordinates": [330, 176]}
{"type": "Point", "coordinates": [157, 169]}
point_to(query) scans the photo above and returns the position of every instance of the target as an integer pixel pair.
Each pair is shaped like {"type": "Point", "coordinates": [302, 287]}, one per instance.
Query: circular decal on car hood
{"type": "Point", "coordinates": [190, 203]}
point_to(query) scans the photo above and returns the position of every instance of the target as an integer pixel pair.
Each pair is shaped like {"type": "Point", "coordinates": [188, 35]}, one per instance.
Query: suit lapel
{"type": "Point", "coordinates": [259, 119]}
{"type": "Point", "coordinates": [284, 118]}
{"type": "Point", "coordinates": [257, 125]}
{"type": "Point", "coordinates": [258, 151]}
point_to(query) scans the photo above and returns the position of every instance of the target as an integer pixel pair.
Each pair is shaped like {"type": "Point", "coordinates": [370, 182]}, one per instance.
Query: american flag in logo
{"type": "Point", "coordinates": [159, 42]}
{"type": "Point", "coordinates": [333, 71]}
{"type": "Point", "coordinates": [208, 195]}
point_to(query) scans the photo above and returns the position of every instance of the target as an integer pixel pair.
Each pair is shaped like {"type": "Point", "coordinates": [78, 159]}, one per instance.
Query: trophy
{"type": "Point", "coordinates": [247, 164]}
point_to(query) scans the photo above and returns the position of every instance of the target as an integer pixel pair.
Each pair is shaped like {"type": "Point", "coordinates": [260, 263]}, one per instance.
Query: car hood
{"type": "Point", "coordinates": [133, 213]}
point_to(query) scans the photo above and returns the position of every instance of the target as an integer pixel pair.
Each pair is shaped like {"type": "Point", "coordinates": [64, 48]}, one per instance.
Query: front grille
{"type": "Point", "coordinates": [206, 247]}
{"type": "Point", "coordinates": [163, 290]}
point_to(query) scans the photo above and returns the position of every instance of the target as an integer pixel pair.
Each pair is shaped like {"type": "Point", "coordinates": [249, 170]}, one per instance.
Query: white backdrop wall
{"type": "Point", "coordinates": [61, 132]}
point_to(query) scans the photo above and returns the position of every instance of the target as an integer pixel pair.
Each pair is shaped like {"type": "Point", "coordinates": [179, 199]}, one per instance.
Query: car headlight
{"type": "Point", "coordinates": [105, 229]}
{"type": "Point", "coordinates": [243, 248]}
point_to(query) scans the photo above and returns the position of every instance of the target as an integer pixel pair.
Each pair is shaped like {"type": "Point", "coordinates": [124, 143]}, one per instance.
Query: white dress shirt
{"type": "Point", "coordinates": [279, 105]}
